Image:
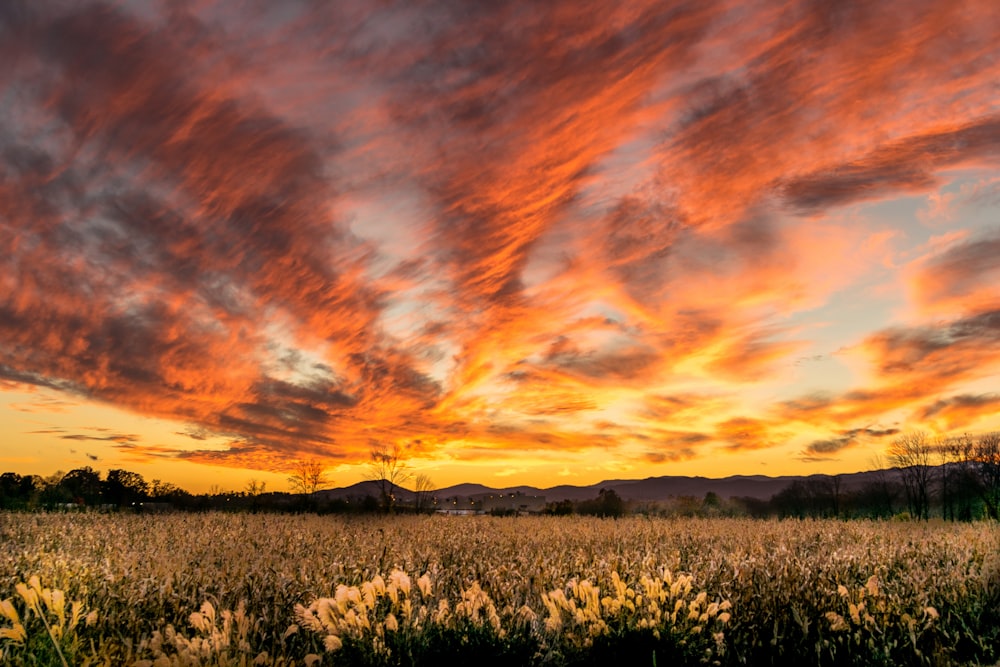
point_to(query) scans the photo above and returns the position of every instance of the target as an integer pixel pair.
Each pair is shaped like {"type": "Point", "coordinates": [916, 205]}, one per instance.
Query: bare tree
{"type": "Point", "coordinates": [946, 458]}
{"type": "Point", "coordinates": [911, 453]}
{"type": "Point", "coordinates": [255, 488]}
{"type": "Point", "coordinates": [882, 490]}
{"type": "Point", "coordinates": [308, 476]}
{"type": "Point", "coordinates": [388, 469]}
{"type": "Point", "coordinates": [165, 490]}
{"type": "Point", "coordinates": [423, 486]}
{"type": "Point", "coordinates": [958, 476]}
{"type": "Point", "coordinates": [986, 459]}
{"type": "Point", "coordinates": [964, 486]}
{"type": "Point", "coordinates": [835, 487]}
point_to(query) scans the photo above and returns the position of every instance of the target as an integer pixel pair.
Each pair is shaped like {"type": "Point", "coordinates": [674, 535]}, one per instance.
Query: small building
{"type": "Point", "coordinates": [455, 511]}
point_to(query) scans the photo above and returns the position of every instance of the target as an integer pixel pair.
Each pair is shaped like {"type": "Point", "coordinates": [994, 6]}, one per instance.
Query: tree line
{"type": "Point", "coordinates": [123, 490]}
{"type": "Point", "coordinates": [126, 490]}
{"type": "Point", "coordinates": [957, 479]}
{"type": "Point", "coordinates": [84, 487]}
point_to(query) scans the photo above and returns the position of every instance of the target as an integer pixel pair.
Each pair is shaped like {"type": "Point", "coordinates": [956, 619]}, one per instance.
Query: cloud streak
{"type": "Point", "coordinates": [908, 165]}
{"type": "Point", "coordinates": [498, 230]}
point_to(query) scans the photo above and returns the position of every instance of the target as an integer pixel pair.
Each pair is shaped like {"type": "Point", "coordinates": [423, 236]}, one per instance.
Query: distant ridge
{"type": "Point", "coordinates": [650, 489]}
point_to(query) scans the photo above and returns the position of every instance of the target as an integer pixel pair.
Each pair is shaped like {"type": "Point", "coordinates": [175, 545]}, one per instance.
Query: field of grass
{"type": "Point", "coordinates": [240, 589]}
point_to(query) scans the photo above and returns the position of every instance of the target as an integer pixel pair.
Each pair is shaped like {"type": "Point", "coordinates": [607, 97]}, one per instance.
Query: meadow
{"type": "Point", "coordinates": [268, 589]}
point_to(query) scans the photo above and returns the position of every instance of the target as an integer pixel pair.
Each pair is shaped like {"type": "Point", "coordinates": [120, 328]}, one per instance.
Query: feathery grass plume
{"type": "Point", "coordinates": [537, 590]}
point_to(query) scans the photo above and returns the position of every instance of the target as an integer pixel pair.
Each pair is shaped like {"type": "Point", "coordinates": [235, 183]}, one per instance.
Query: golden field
{"type": "Point", "coordinates": [267, 589]}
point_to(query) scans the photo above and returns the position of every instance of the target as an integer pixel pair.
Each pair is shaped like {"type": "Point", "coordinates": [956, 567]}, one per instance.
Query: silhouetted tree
{"type": "Point", "coordinates": [911, 453]}
{"type": "Point", "coordinates": [754, 507]}
{"type": "Point", "coordinates": [611, 503]}
{"type": "Point", "coordinates": [559, 508]}
{"type": "Point", "coordinates": [836, 482]}
{"type": "Point", "coordinates": [711, 504]}
{"type": "Point", "coordinates": [124, 488]}
{"type": "Point", "coordinates": [308, 476]}
{"type": "Point", "coordinates": [793, 501]}
{"type": "Point", "coordinates": [10, 484]}
{"type": "Point", "coordinates": [387, 469]}
{"type": "Point", "coordinates": [255, 488]}
{"type": "Point", "coordinates": [875, 498]}
{"type": "Point", "coordinates": [986, 462]}
{"type": "Point", "coordinates": [167, 492]}
{"type": "Point", "coordinates": [607, 504]}
{"type": "Point", "coordinates": [16, 491]}
{"type": "Point", "coordinates": [423, 486]}
{"type": "Point", "coordinates": [879, 496]}
{"type": "Point", "coordinates": [82, 485]}
{"type": "Point", "coordinates": [686, 505]}
{"type": "Point", "coordinates": [959, 481]}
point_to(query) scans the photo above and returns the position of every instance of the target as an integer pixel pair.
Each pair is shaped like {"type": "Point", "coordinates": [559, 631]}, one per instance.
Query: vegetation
{"type": "Point", "coordinates": [388, 469]}
{"type": "Point", "coordinates": [688, 581]}
{"type": "Point", "coordinates": [957, 479]}
{"type": "Point", "coordinates": [116, 589]}
{"type": "Point", "coordinates": [308, 476]}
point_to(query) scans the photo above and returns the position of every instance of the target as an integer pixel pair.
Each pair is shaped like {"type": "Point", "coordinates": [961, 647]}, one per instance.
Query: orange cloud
{"type": "Point", "coordinates": [907, 165]}
{"type": "Point", "coordinates": [961, 349]}
{"type": "Point", "coordinates": [747, 433]}
{"type": "Point", "coordinates": [821, 450]}
{"type": "Point", "coordinates": [959, 411]}
{"type": "Point", "coordinates": [961, 278]}
{"type": "Point", "coordinates": [752, 358]}
{"type": "Point", "coordinates": [913, 368]}
{"type": "Point", "coordinates": [589, 215]}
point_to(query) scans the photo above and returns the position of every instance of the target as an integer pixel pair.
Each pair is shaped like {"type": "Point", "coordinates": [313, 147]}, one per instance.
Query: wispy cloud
{"type": "Point", "coordinates": [907, 165]}
{"type": "Point", "coordinates": [503, 227]}
{"type": "Point", "coordinates": [959, 411]}
{"type": "Point", "coordinates": [818, 450]}
{"type": "Point", "coordinates": [962, 278]}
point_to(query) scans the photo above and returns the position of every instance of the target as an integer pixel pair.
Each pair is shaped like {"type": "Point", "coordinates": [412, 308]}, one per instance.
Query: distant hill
{"type": "Point", "coordinates": [649, 489]}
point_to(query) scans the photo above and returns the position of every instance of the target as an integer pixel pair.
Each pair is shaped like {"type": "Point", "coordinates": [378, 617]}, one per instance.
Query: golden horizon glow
{"type": "Point", "coordinates": [531, 245]}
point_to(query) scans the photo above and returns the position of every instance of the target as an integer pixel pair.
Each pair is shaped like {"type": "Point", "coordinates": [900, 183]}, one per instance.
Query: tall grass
{"type": "Point", "coordinates": [223, 589]}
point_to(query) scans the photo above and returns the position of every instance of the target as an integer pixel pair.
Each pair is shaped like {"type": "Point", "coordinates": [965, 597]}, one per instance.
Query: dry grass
{"type": "Point", "coordinates": [265, 589]}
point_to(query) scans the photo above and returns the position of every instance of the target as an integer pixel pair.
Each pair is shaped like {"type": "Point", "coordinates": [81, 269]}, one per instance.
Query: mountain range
{"type": "Point", "coordinates": [649, 489]}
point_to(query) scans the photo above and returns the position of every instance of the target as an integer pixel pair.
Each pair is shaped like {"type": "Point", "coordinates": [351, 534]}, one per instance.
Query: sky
{"type": "Point", "coordinates": [527, 242]}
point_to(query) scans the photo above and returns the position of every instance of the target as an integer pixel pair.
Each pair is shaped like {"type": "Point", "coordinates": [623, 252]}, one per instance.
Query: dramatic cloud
{"type": "Point", "coordinates": [907, 165]}
{"type": "Point", "coordinates": [945, 353]}
{"type": "Point", "coordinates": [741, 433]}
{"type": "Point", "coordinates": [819, 450]}
{"type": "Point", "coordinates": [963, 278]}
{"type": "Point", "coordinates": [961, 410]}
{"type": "Point", "coordinates": [570, 232]}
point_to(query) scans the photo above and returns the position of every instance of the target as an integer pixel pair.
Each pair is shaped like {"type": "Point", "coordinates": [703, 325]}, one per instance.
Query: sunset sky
{"type": "Point", "coordinates": [530, 242]}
